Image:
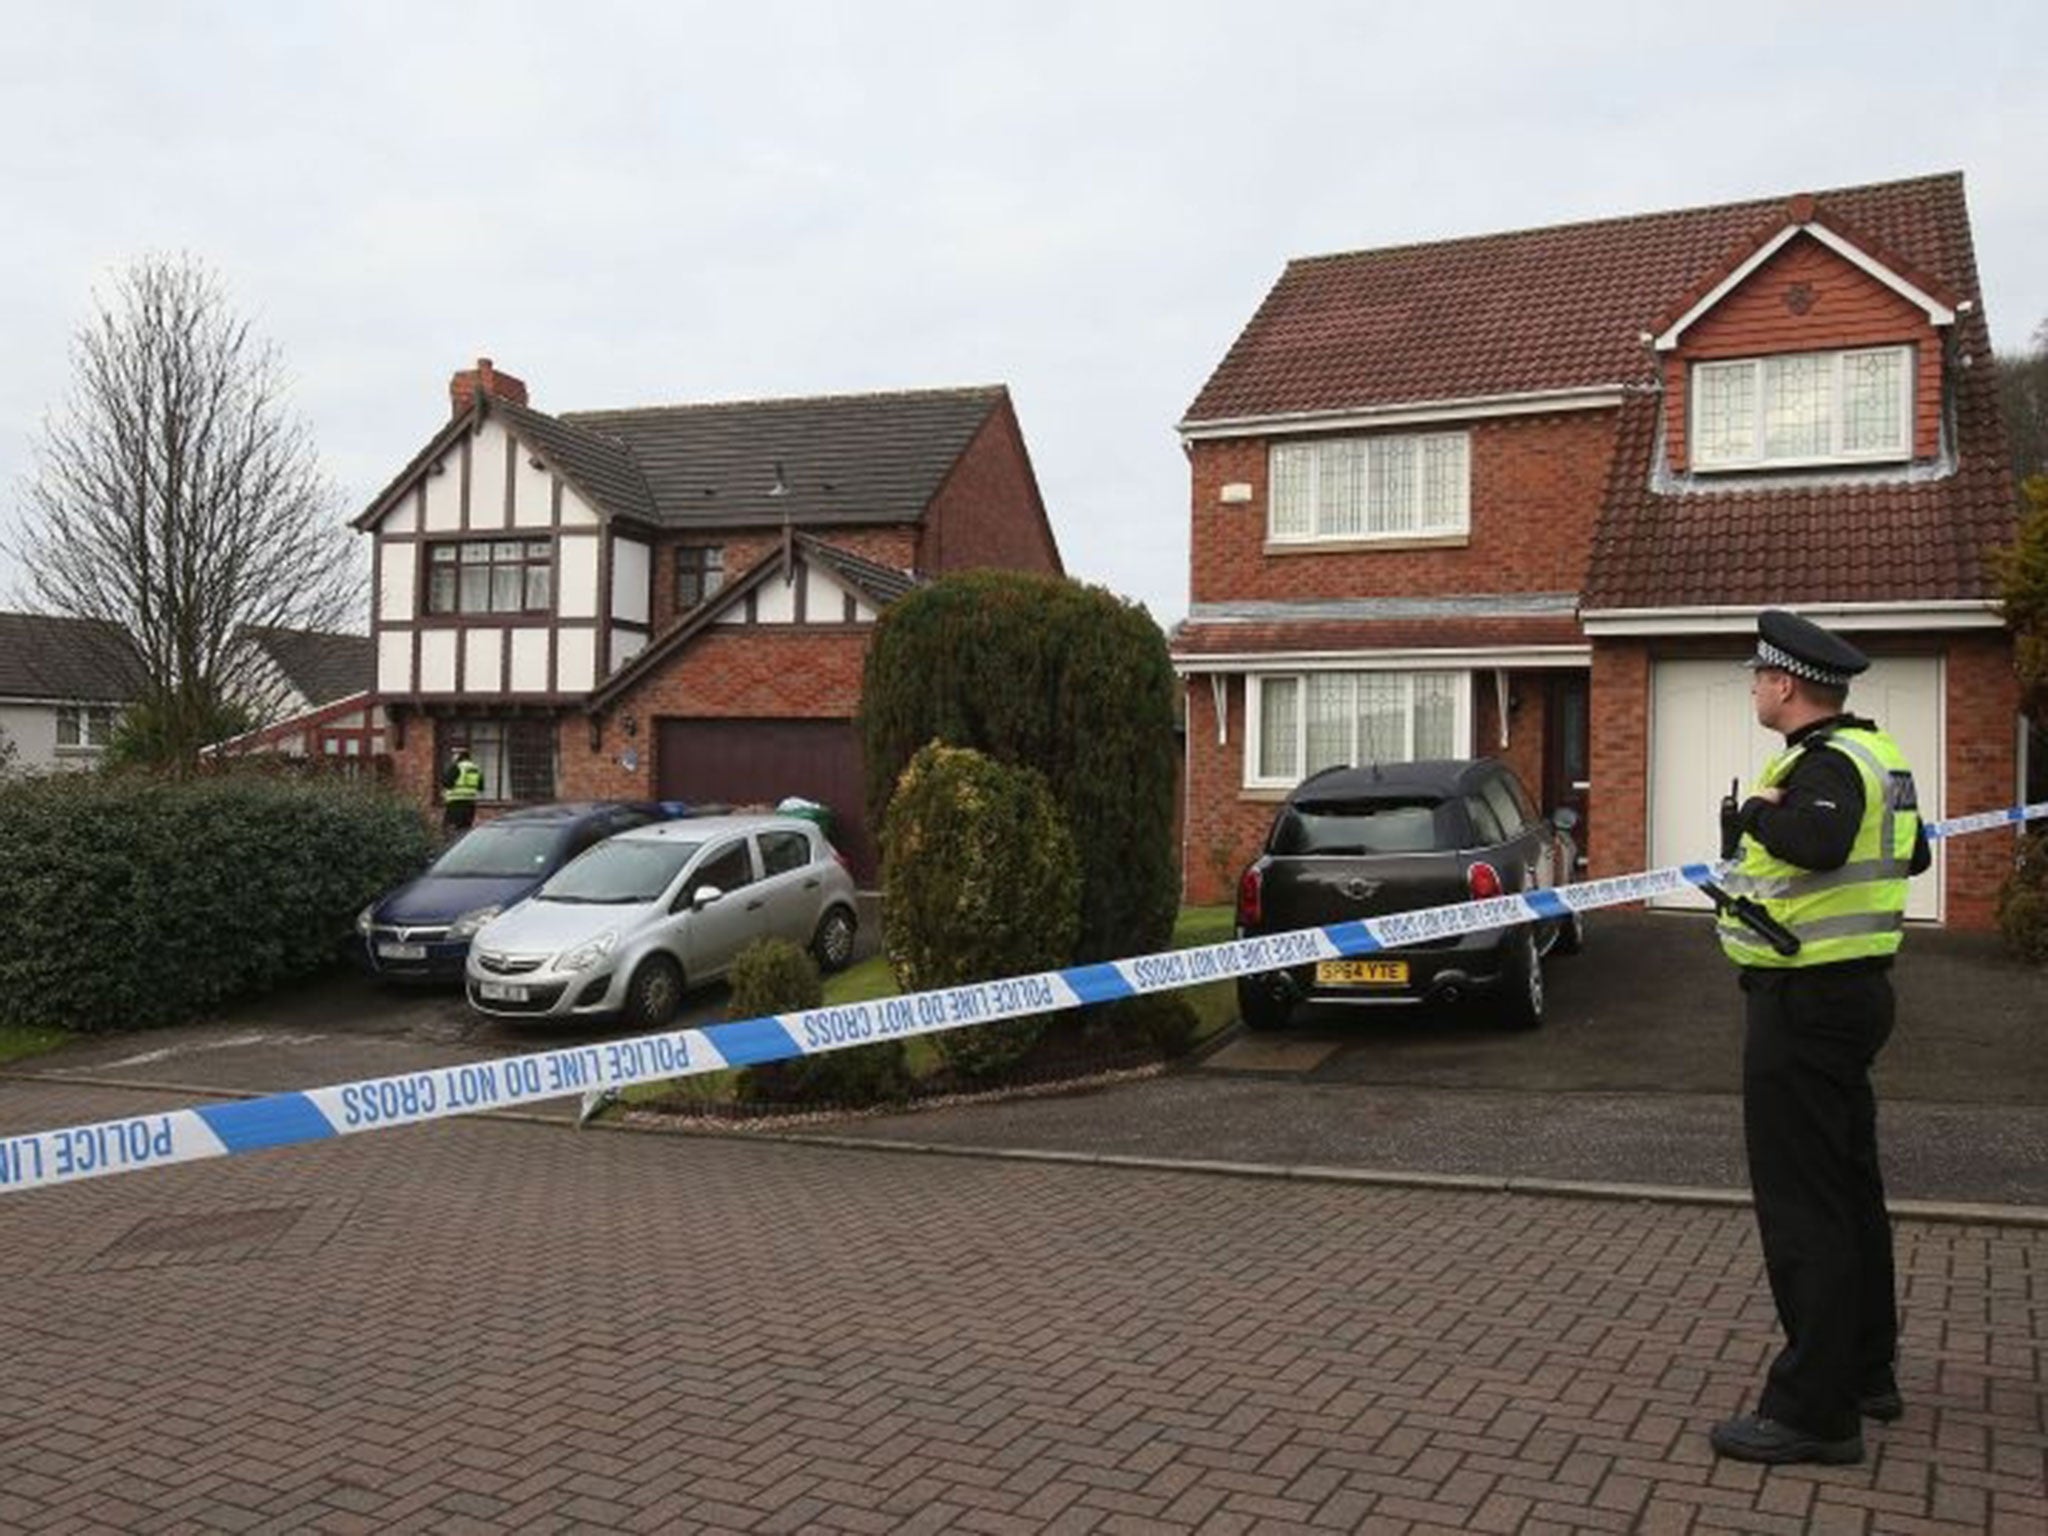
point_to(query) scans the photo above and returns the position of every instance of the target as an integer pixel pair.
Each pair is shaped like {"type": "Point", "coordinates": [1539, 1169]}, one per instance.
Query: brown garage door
{"type": "Point", "coordinates": [745, 762]}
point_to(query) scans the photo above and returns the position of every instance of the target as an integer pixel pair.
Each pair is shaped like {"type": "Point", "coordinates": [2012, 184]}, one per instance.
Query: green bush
{"type": "Point", "coordinates": [2023, 901]}
{"type": "Point", "coordinates": [1164, 1021]}
{"type": "Point", "coordinates": [775, 976]}
{"type": "Point", "coordinates": [772, 976]}
{"type": "Point", "coordinates": [1044, 673]}
{"type": "Point", "coordinates": [980, 880]}
{"type": "Point", "coordinates": [133, 900]}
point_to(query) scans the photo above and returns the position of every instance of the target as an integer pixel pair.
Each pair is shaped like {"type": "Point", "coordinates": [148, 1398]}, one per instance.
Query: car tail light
{"type": "Point", "coordinates": [1482, 880]}
{"type": "Point", "coordinates": [1251, 898]}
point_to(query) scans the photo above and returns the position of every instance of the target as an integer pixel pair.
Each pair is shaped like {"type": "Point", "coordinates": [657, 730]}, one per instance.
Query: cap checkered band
{"type": "Point", "coordinates": [1768, 655]}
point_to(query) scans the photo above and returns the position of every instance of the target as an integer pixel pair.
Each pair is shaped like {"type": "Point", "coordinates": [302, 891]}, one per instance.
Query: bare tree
{"type": "Point", "coordinates": [2023, 398]}
{"type": "Point", "coordinates": [176, 496]}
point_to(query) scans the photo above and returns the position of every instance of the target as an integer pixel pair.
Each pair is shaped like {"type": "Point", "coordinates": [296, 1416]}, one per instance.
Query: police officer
{"type": "Point", "coordinates": [460, 786]}
{"type": "Point", "coordinates": [1826, 843]}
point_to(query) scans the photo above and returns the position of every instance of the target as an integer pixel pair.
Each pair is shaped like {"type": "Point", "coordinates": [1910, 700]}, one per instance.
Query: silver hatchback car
{"type": "Point", "coordinates": [624, 929]}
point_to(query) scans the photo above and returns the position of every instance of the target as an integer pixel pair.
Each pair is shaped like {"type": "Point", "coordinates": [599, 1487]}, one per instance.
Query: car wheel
{"type": "Point", "coordinates": [832, 944]}
{"type": "Point", "coordinates": [654, 994]}
{"type": "Point", "coordinates": [1260, 1009]}
{"type": "Point", "coordinates": [1571, 936]}
{"type": "Point", "coordinates": [1522, 978]}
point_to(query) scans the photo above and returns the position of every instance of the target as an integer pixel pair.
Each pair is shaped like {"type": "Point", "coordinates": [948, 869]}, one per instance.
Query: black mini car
{"type": "Point", "coordinates": [1392, 837]}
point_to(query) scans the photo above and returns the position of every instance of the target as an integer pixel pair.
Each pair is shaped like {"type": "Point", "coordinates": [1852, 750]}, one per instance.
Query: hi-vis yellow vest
{"type": "Point", "coordinates": [469, 780]}
{"type": "Point", "coordinates": [1851, 913]}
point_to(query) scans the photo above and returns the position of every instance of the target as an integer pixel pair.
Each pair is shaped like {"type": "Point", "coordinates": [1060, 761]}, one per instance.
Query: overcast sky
{"type": "Point", "coordinates": [639, 204]}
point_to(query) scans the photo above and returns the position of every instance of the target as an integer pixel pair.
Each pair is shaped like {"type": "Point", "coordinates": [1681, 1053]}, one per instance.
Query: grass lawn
{"type": "Point", "coordinates": [20, 1041]}
{"type": "Point", "coordinates": [1215, 1005]}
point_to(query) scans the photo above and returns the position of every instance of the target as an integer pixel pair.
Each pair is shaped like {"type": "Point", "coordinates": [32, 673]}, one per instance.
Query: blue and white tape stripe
{"type": "Point", "coordinates": [65, 1156]}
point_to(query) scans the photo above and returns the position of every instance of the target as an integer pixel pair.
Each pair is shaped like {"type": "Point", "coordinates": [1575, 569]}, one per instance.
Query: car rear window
{"type": "Point", "coordinates": [1358, 827]}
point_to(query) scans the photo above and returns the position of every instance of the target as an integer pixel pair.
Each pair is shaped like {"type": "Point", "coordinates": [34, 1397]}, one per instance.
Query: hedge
{"type": "Point", "coordinates": [979, 879]}
{"type": "Point", "coordinates": [1069, 680]}
{"type": "Point", "coordinates": [132, 900]}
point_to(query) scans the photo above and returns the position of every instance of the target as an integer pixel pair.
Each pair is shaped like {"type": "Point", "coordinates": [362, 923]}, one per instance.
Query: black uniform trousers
{"type": "Point", "coordinates": [1810, 1122]}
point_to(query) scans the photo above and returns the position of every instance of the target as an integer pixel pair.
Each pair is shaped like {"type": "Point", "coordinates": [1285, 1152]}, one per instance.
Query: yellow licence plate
{"type": "Point", "coordinates": [1361, 973]}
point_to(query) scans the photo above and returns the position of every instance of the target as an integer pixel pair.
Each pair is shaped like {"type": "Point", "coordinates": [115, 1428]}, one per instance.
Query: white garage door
{"type": "Point", "coordinates": [1703, 732]}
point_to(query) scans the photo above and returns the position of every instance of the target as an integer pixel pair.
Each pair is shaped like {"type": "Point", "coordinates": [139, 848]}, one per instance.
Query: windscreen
{"type": "Point", "coordinates": [1358, 827]}
{"type": "Point", "coordinates": [620, 872]}
{"type": "Point", "coordinates": [500, 852]}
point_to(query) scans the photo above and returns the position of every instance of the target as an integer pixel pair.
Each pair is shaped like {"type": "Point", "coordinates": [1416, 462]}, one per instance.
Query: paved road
{"type": "Point", "coordinates": [483, 1326]}
{"type": "Point", "coordinates": [495, 1324]}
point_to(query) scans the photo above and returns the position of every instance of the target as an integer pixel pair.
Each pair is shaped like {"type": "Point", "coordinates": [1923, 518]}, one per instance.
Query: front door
{"type": "Point", "coordinates": [1567, 773]}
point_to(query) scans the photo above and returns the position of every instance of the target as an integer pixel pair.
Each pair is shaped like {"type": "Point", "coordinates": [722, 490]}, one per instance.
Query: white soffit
{"type": "Point", "coordinates": [1409, 413]}
{"type": "Point", "coordinates": [1958, 613]}
{"type": "Point", "coordinates": [1415, 660]}
{"type": "Point", "coordinates": [1937, 313]}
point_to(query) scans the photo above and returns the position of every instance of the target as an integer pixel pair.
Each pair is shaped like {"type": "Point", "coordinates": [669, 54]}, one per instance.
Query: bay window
{"type": "Point", "coordinates": [1803, 408]}
{"type": "Point", "coordinates": [1364, 488]}
{"type": "Point", "coordinates": [1302, 723]}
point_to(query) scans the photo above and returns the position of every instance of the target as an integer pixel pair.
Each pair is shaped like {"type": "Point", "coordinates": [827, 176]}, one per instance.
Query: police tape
{"type": "Point", "coordinates": [41, 1158]}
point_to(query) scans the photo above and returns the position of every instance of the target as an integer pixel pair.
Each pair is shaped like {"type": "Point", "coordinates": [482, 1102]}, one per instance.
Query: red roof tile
{"type": "Point", "coordinates": [1541, 309]}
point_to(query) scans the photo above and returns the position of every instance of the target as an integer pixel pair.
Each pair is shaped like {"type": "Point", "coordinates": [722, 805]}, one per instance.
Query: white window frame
{"type": "Point", "coordinates": [81, 717]}
{"type": "Point", "coordinates": [1255, 689]}
{"type": "Point", "coordinates": [1900, 448]}
{"type": "Point", "coordinates": [1319, 455]}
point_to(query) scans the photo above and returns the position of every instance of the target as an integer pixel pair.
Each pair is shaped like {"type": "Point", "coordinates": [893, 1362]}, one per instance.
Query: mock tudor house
{"type": "Point", "coordinates": [1523, 494]}
{"type": "Point", "coordinates": [675, 602]}
{"type": "Point", "coordinates": [63, 685]}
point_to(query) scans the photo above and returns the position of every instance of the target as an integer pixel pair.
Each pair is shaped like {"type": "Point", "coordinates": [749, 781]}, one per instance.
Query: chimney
{"type": "Point", "coordinates": [465, 386]}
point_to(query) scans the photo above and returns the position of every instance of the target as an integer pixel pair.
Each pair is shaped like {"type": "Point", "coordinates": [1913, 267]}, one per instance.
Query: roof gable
{"type": "Point", "coordinates": [1939, 311]}
{"type": "Point", "coordinates": [1543, 310]}
{"type": "Point", "coordinates": [877, 585]}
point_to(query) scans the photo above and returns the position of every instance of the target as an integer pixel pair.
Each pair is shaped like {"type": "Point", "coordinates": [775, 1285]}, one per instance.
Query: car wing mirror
{"type": "Point", "coordinates": [1564, 818]}
{"type": "Point", "coordinates": [704, 896]}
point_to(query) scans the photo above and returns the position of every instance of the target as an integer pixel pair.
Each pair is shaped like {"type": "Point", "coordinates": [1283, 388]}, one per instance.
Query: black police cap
{"type": "Point", "coordinates": [1787, 643]}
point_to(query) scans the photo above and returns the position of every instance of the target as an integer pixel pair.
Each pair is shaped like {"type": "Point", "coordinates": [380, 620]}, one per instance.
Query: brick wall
{"type": "Point", "coordinates": [1537, 485]}
{"type": "Point", "coordinates": [756, 672]}
{"type": "Point", "coordinates": [1221, 827]}
{"type": "Point", "coordinates": [1618, 840]}
{"type": "Point", "coordinates": [1844, 307]}
{"type": "Point", "coordinates": [1982, 706]}
{"type": "Point", "coordinates": [988, 511]}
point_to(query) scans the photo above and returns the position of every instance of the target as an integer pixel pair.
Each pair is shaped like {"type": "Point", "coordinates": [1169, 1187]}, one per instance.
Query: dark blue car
{"type": "Point", "coordinates": [421, 930]}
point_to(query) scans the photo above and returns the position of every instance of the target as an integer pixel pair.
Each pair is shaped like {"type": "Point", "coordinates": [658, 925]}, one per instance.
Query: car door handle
{"type": "Point", "coordinates": [755, 905]}
{"type": "Point", "coordinates": [811, 884]}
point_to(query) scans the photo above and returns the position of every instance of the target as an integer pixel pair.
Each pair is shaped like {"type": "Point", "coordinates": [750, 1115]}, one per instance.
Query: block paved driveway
{"type": "Point", "coordinates": [485, 1325]}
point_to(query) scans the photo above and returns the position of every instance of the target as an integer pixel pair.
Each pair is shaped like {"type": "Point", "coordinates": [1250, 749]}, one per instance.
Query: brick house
{"type": "Point", "coordinates": [1523, 494]}
{"type": "Point", "coordinates": [675, 602]}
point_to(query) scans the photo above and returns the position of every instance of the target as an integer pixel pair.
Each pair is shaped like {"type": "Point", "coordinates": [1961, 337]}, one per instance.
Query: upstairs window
{"type": "Point", "coordinates": [1364, 488]}
{"type": "Point", "coordinates": [1805, 408]}
{"type": "Point", "coordinates": [1303, 724]}
{"type": "Point", "coordinates": [491, 576]}
{"type": "Point", "coordinates": [700, 571]}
